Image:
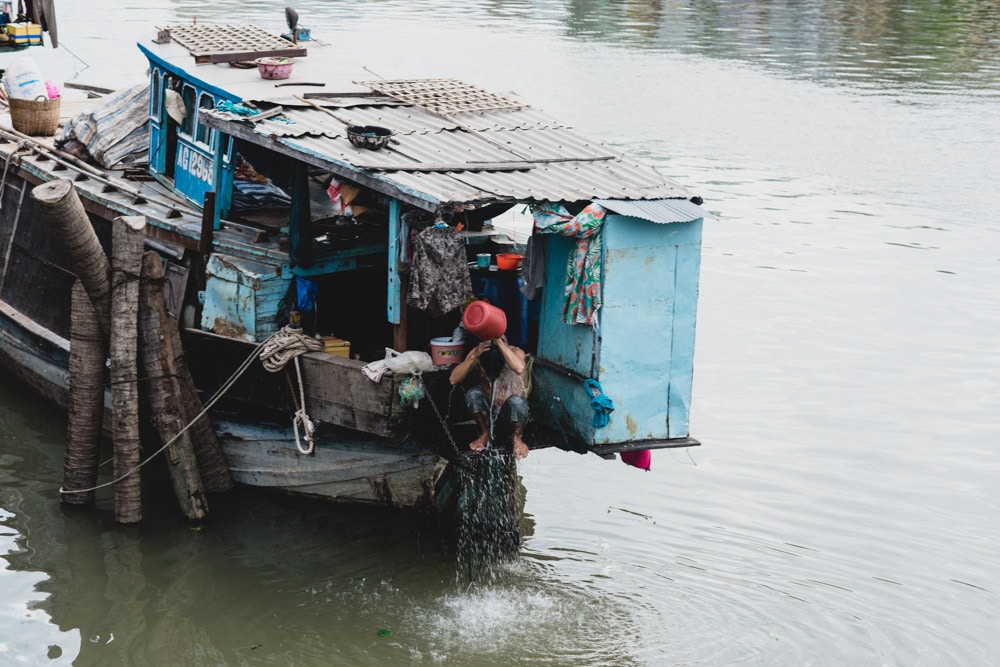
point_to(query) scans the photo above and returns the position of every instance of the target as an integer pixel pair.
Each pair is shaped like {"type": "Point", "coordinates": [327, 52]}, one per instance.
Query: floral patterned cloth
{"type": "Point", "coordinates": [585, 268]}
{"type": "Point", "coordinates": [439, 274]}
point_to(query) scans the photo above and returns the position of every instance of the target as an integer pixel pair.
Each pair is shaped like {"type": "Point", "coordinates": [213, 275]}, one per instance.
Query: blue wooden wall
{"type": "Point", "coordinates": [643, 351]}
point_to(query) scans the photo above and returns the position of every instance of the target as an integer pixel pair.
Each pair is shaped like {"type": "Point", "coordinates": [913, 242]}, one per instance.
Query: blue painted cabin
{"type": "Point", "coordinates": [642, 350]}
{"type": "Point", "coordinates": [183, 154]}
{"type": "Point", "coordinates": [465, 151]}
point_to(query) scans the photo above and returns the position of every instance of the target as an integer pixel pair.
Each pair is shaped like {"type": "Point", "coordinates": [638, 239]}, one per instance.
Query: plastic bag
{"type": "Point", "coordinates": [412, 361]}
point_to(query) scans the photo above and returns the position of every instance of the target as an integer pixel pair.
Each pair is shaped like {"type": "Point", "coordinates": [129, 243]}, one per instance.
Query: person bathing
{"type": "Point", "coordinates": [493, 376]}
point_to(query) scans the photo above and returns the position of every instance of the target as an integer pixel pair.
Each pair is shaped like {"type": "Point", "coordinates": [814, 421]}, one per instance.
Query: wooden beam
{"type": "Point", "coordinates": [237, 56]}
{"type": "Point", "coordinates": [394, 301]}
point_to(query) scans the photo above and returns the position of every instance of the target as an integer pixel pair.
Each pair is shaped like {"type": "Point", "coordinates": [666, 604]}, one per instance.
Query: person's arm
{"type": "Point", "coordinates": [513, 356]}
{"type": "Point", "coordinates": [461, 371]}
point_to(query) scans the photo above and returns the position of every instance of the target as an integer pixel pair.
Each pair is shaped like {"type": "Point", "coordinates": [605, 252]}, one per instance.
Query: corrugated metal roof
{"type": "Point", "coordinates": [656, 210]}
{"type": "Point", "coordinates": [475, 157]}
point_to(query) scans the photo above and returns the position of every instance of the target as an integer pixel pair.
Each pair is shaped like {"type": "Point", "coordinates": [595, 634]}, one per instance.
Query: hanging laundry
{"type": "Point", "coordinates": [585, 268]}
{"type": "Point", "coordinates": [533, 268]}
{"type": "Point", "coordinates": [600, 403]}
{"type": "Point", "coordinates": [439, 273]}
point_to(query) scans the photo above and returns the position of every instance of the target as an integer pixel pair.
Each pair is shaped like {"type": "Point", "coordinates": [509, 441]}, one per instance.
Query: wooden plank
{"type": "Point", "coordinates": [343, 468]}
{"type": "Point", "coordinates": [394, 298]}
{"type": "Point", "coordinates": [88, 88]}
{"type": "Point", "coordinates": [337, 392]}
{"type": "Point", "coordinates": [237, 56]}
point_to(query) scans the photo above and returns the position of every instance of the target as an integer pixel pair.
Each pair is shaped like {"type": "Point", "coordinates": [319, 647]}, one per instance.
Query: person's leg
{"type": "Point", "coordinates": [513, 417]}
{"type": "Point", "coordinates": [475, 401]}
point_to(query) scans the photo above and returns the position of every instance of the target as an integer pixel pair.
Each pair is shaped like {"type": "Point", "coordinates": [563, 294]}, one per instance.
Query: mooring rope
{"type": "Point", "coordinates": [21, 146]}
{"type": "Point", "coordinates": [286, 345]}
{"type": "Point", "coordinates": [226, 386]}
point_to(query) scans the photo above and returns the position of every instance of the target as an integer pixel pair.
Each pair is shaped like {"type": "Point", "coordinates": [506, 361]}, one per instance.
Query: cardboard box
{"type": "Point", "coordinates": [25, 34]}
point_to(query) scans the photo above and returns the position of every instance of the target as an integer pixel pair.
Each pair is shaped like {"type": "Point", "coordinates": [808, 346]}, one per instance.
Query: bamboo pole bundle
{"type": "Point", "coordinates": [63, 210]}
{"type": "Point", "coordinates": [163, 390]}
{"type": "Point", "coordinates": [88, 353]}
{"type": "Point", "coordinates": [127, 237]}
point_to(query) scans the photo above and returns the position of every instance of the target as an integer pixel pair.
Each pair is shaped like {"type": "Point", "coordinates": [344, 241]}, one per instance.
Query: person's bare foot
{"type": "Point", "coordinates": [479, 444]}
{"type": "Point", "coordinates": [520, 449]}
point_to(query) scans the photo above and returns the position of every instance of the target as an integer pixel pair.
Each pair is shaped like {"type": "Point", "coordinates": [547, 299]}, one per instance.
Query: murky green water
{"type": "Point", "coordinates": [844, 507]}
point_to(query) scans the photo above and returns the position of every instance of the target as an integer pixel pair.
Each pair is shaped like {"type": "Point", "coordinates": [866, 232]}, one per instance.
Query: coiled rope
{"type": "Point", "coordinates": [284, 346]}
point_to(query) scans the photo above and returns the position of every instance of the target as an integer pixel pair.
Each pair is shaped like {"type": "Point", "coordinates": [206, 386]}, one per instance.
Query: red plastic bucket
{"type": "Point", "coordinates": [484, 321]}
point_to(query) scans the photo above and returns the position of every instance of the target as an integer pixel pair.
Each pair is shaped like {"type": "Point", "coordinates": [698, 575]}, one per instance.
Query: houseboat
{"type": "Point", "coordinates": [280, 184]}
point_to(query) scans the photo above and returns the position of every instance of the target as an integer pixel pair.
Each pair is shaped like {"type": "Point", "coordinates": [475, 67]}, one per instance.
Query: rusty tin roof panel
{"type": "Point", "coordinates": [507, 155]}
{"type": "Point", "coordinates": [662, 211]}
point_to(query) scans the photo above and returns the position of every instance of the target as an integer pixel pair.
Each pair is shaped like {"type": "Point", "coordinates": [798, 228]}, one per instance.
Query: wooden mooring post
{"type": "Point", "coordinates": [127, 238]}
{"type": "Point", "coordinates": [113, 314]}
{"type": "Point", "coordinates": [162, 390]}
{"type": "Point", "coordinates": [215, 473]}
{"type": "Point", "coordinates": [62, 208]}
{"type": "Point", "coordinates": [88, 355]}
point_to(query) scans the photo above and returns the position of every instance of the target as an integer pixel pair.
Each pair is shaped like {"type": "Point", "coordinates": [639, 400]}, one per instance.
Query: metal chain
{"type": "Point", "coordinates": [443, 420]}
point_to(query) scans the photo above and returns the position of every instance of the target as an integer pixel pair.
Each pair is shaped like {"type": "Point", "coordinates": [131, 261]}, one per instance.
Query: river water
{"type": "Point", "coordinates": [844, 508]}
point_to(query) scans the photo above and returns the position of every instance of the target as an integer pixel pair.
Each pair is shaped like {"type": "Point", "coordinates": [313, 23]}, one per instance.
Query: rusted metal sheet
{"type": "Point", "coordinates": [478, 157]}
{"type": "Point", "coordinates": [662, 211]}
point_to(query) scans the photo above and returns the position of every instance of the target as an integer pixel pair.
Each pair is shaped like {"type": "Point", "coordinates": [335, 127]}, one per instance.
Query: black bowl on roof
{"type": "Point", "coordinates": [371, 137]}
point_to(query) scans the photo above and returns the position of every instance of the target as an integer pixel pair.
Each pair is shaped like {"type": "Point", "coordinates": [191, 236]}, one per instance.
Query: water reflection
{"type": "Point", "coordinates": [894, 43]}
{"type": "Point", "coordinates": [921, 45]}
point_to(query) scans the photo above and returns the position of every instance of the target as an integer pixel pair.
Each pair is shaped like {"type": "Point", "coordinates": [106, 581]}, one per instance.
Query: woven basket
{"type": "Point", "coordinates": [35, 117]}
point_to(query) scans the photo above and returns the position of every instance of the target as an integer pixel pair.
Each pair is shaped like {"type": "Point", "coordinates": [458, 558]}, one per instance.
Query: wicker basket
{"type": "Point", "coordinates": [35, 117]}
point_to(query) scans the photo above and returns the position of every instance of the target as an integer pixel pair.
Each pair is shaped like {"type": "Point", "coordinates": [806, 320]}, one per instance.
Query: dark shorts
{"type": "Point", "coordinates": [513, 411]}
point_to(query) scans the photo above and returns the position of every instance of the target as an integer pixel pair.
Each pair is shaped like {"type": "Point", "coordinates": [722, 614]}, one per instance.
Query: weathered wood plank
{"type": "Point", "coordinates": [237, 56]}
{"type": "Point", "coordinates": [337, 392]}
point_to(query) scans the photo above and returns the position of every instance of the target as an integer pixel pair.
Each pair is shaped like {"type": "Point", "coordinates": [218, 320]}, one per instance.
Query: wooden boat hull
{"type": "Point", "coordinates": [343, 469]}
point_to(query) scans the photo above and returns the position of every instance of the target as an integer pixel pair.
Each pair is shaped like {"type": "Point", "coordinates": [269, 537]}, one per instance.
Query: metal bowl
{"type": "Point", "coordinates": [371, 137]}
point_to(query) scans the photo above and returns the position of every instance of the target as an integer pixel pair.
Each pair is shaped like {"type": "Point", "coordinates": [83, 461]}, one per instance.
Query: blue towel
{"type": "Point", "coordinates": [600, 403]}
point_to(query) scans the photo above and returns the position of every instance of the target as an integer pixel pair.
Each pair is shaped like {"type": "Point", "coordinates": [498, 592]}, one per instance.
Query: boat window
{"type": "Point", "coordinates": [156, 81]}
{"type": "Point", "coordinates": [187, 95]}
{"type": "Point", "coordinates": [204, 132]}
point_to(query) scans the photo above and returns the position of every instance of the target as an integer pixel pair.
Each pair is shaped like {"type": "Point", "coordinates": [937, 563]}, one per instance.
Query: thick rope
{"type": "Point", "coordinates": [287, 345]}
{"type": "Point", "coordinates": [21, 146]}
{"type": "Point", "coordinates": [284, 346]}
